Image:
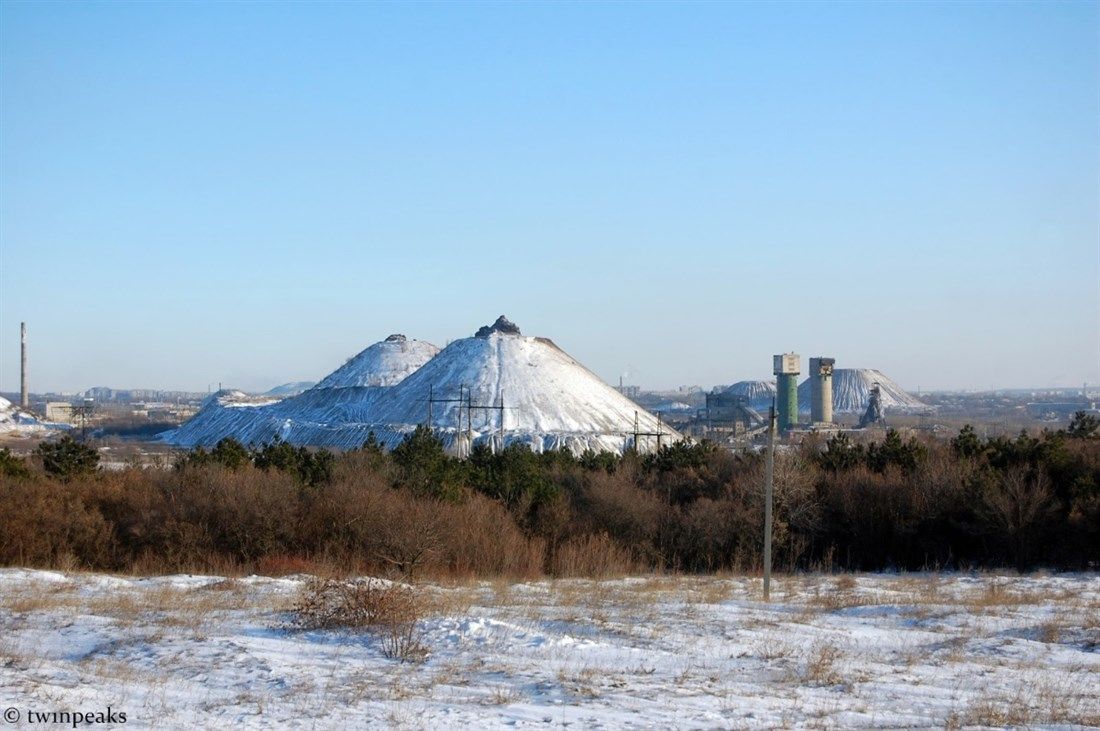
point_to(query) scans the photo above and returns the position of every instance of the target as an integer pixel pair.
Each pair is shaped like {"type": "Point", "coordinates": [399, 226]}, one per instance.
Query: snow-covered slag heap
{"type": "Point", "coordinates": [852, 392]}
{"type": "Point", "coordinates": [497, 386]}
{"type": "Point", "coordinates": [18, 423]}
{"type": "Point", "coordinates": [758, 395]}
{"type": "Point", "coordinates": [315, 416]}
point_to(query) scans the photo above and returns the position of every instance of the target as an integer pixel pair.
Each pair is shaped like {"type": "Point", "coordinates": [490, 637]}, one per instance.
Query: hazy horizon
{"type": "Point", "coordinates": [252, 193]}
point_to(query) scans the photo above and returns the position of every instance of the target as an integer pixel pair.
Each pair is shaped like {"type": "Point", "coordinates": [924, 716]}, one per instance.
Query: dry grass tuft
{"type": "Point", "coordinates": [821, 665]}
{"type": "Point", "coordinates": [840, 595]}
{"type": "Point", "coordinates": [997, 594]}
{"type": "Point", "coordinates": [1043, 703]}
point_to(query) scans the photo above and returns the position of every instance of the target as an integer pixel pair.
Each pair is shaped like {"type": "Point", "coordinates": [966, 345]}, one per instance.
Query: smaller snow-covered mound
{"type": "Point", "coordinates": [16, 422]}
{"type": "Point", "coordinates": [223, 413]}
{"type": "Point", "coordinates": [758, 395]}
{"type": "Point", "coordinates": [383, 364]}
{"type": "Point", "coordinates": [345, 395]}
{"type": "Point", "coordinates": [232, 398]}
{"type": "Point", "coordinates": [852, 392]}
{"type": "Point", "coordinates": [668, 406]}
{"type": "Point", "coordinates": [290, 389]}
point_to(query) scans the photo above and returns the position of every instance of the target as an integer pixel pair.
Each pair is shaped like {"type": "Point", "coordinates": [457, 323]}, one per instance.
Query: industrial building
{"type": "Point", "coordinates": [821, 390]}
{"type": "Point", "coordinates": [786, 368]}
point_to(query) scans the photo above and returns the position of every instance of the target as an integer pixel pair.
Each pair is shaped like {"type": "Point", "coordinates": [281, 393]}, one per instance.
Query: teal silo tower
{"type": "Point", "coordinates": [787, 368]}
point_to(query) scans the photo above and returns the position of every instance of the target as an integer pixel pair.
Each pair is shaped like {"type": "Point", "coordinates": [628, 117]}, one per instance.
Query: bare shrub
{"type": "Point", "coordinates": [821, 665]}
{"type": "Point", "coordinates": [44, 524]}
{"type": "Point", "coordinates": [376, 527]}
{"type": "Point", "coordinates": [390, 611]}
{"type": "Point", "coordinates": [591, 555]}
{"type": "Point", "coordinates": [1020, 505]}
{"type": "Point", "coordinates": [690, 509]}
{"type": "Point", "coordinates": [612, 503]}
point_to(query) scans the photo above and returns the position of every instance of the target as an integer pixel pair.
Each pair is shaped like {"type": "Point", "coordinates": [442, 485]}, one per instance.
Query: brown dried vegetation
{"type": "Point", "coordinates": [417, 513]}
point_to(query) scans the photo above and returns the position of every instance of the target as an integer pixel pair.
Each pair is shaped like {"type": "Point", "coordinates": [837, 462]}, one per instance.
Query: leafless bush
{"type": "Point", "coordinates": [388, 610]}
{"type": "Point", "coordinates": [702, 514]}
{"type": "Point", "coordinates": [1020, 505]}
{"type": "Point", "coordinates": [43, 524]}
{"type": "Point", "coordinates": [821, 665]}
{"type": "Point", "coordinates": [591, 555]}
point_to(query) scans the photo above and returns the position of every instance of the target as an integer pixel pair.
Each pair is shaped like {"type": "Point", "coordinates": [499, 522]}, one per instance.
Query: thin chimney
{"type": "Point", "coordinates": [24, 395]}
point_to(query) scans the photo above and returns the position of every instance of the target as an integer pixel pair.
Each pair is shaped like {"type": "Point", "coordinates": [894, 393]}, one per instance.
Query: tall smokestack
{"type": "Point", "coordinates": [821, 390]}
{"type": "Point", "coordinates": [24, 395]}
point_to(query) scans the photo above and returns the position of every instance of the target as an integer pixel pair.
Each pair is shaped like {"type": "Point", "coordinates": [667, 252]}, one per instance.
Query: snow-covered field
{"type": "Point", "coordinates": [865, 651]}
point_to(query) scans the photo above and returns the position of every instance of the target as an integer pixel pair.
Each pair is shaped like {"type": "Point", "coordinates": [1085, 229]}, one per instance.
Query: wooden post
{"type": "Point", "coordinates": [769, 478]}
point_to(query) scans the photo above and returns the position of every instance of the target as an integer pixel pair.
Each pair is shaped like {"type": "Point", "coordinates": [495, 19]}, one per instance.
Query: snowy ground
{"type": "Point", "coordinates": [869, 651]}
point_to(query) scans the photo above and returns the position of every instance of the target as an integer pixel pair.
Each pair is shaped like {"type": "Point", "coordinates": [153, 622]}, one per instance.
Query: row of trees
{"type": "Point", "coordinates": [896, 503]}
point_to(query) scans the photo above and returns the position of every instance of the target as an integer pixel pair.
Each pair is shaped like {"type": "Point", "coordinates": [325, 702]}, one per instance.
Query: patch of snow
{"type": "Point", "coordinates": [893, 651]}
{"type": "Point", "coordinates": [383, 364]}
{"type": "Point", "coordinates": [14, 421]}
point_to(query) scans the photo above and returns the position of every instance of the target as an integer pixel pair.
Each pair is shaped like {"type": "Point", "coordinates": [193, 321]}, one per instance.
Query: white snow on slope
{"type": "Point", "coordinates": [550, 401]}
{"type": "Point", "coordinates": [918, 651]}
{"type": "Point", "coordinates": [290, 389]}
{"type": "Point", "coordinates": [14, 421]}
{"type": "Point", "coordinates": [343, 395]}
{"type": "Point", "coordinates": [852, 392]}
{"type": "Point", "coordinates": [232, 398]}
{"type": "Point", "coordinates": [383, 364]}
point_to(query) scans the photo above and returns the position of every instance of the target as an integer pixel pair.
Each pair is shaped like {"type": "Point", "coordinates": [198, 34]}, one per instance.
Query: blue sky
{"type": "Point", "coordinates": [250, 193]}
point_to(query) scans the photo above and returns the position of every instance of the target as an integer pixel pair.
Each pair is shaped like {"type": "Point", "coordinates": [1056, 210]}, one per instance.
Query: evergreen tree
{"type": "Point", "coordinates": [1083, 426]}
{"type": "Point", "coordinates": [67, 458]}
{"type": "Point", "coordinates": [12, 466]}
{"type": "Point", "coordinates": [840, 453]}
{"type": "Point", "coordinates": [967, 443]}
{"type": "Point", "coordinates": [230, 453]}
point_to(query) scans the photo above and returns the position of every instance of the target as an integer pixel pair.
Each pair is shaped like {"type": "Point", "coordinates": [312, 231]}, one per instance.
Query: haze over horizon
{"type": "Point", "coordinates": [252, 193]}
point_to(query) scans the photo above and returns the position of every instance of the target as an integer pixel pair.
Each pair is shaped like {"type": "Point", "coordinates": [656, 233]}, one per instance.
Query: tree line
{"type": "Point", "coordinates": [896, 503]}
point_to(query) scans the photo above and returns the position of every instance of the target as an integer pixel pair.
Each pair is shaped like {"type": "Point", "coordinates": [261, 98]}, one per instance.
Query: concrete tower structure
{"type": "Point", "coordinates": [24, 394]}
{"type": "Point", "coordinates": [821, 390]}
{"type": "Point", "coordinates": [786, 368]}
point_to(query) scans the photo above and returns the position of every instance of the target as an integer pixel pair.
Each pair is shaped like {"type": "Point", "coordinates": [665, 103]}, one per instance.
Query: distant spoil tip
{"type": "Point", "coordinates": [502, 325]}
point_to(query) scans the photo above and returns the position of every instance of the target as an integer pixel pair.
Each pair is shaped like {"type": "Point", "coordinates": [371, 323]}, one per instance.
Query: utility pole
{"type": "Point", "coordinates": [769, 479]}
{"type": "Point", "coordinates": [469, 419]}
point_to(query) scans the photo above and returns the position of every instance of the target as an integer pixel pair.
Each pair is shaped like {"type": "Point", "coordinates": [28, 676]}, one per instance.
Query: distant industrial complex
{"type": "Point", "coordinates": [500, 387]}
